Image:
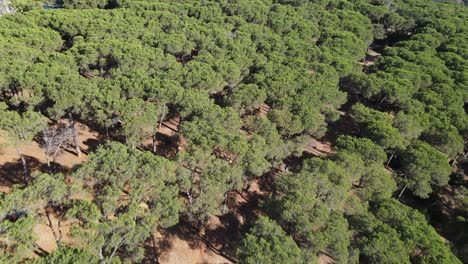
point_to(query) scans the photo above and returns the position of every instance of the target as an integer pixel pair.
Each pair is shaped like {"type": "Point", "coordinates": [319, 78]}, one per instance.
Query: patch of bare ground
{"type": "Point", "coordinates": [214, 242]}
{"type": "Point", "coordinates": [46, 242]}
{"type": "Point", "coordinates": [371, 56]}
{"type": "Point", "coordinates": [89, 139]}
{"type": "Point", "coordinates": [168, 140]}
{"type": "Point", "coordinates": [67, 158]}
{"type": "Point", "coordinates": [319, 147]}
{"type": "Point", "coordinates": [11, 173]}
{"type": "Point", "coordinates": [177, 247]}
{"type": "Point", "coordinates": [263, 110]}
{"type": "Point", "coordinates": [324, 258]}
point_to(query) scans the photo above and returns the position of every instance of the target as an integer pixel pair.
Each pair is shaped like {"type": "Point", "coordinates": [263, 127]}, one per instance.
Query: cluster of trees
{"type": "Point", "coordinates": [125, 66]}
{"type": "Point", "coordinates": [343, 207]}
{"type": "Point", "coordinates": [413, 100]}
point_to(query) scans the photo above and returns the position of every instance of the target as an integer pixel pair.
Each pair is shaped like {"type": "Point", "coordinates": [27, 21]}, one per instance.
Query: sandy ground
{"type": "Point", "coordinates": [213, 244]}
{"type": "Point", "coordinates": [371, 56]}
{"type": "Point", "coordinates": [46, 240]}
{"type": "Point", "coordinates": [321, 148]}
{"type": "Point", "coordinates": [182, 251]}
{"type": "Point", "coordinates": [263, 110]}
{"type": "Point", "coordinates": [68, 158]}
{"type": "Point", "coordinates": [10, 163]}
{"type": "Point", "coordinates": [325, 259]}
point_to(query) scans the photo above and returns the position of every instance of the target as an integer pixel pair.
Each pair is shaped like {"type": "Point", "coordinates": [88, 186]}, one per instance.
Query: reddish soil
{"type": "Point", "coordinates": [11, 169]}
{"type": "Point", "coordinates": [46, 240]}
{"type": "Point", "coordinates": [215, 242]}
{"type": "Point", "coordinates": [325, 259]}
{"type": "Point", "coordinates": [371, 56]}
{"type": "Point", "coordinates": [320, 148]}
{"type": "Point", "coordinates": [67, 157]}
{"type": "Point", "coordinates": [263, 110]}
{"type": "Point", "coordinates": [10, 163]}
{"type": "Point", "coordinates": [167, 140]}
{"type": "Point", "coordinates": [179, 250]}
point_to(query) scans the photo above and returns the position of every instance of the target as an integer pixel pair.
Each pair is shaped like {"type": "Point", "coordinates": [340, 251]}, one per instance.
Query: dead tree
{"type": "Point", "coordinates": [53, 140]}
{"type": "Point", "coordinates": [5, 7]}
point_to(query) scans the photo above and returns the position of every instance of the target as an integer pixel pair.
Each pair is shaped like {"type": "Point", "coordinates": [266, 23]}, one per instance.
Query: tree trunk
{"type": "Point", "coordinates": [55, 155]}
{"type": "Point", "coordinates": [225, 203]}
{"type": "Point", "coordinates": [381, 101]}
{"type": "Point", "coordinates": [116, 248]}
{"type": "Point", "coordinates": [76, 142]}
{"type": "Point", "coordinates": [101, 256]}
{"type": "Point", "coordinates": [401, 193]}
{"type": "Point", "coordinates": [59, 227]}
{"type": "Point", "coordinates": [247, 187]}
{"type": "Point", "coordinates": [189, 196]}
{"type": "Point", "coordinates": [455, 160]}
{"type": "Point", "coordinates": [390, 159]}
{"type": "Point", "coordinates": [360, 182]}
{"type": "Point", "coordinates": [163, 116]}
{"type": "Point", "coordinates": [23, 161]}
{"type": "Point", "coordinates": [155, 251]}
{"type": "Point", "coordinates": [48, 163]}
{"type": "Point", "coordinates": [57, 238]}
{"type": "Point", "coordinates": [155, 142]}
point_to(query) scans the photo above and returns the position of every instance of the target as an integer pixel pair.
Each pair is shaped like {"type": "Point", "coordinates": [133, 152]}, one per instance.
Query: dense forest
{"type": "Point", "coordinates": [253, 87]}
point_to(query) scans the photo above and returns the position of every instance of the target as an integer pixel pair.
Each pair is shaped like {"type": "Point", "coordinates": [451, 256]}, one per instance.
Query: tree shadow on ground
{"type": "Point", "coordinates": [40, 251]}
{"type": "Point", "coordinates": [221, 234]}
{"type": "Point", "coordinates": [216, 240]}
{"type": "Point", "coordinates": [92, 144]}
{"type": "Point", "coordinates": [154, 247]}
{"type": "Point", "coordinates": [345, 125]}
{"type": "Point", "coordinates": [167, 146]}
{"type": "Point", "coordinates": [11, 173]}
